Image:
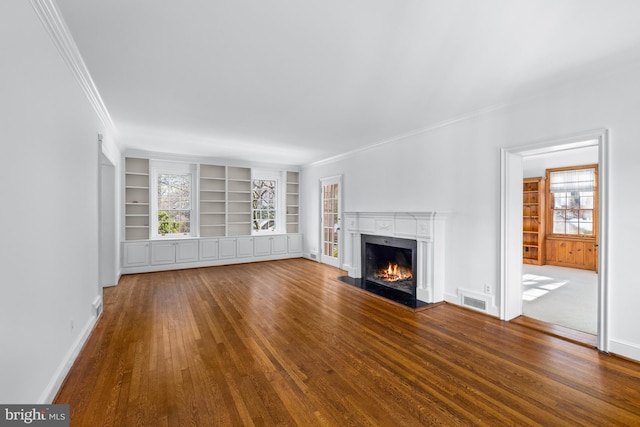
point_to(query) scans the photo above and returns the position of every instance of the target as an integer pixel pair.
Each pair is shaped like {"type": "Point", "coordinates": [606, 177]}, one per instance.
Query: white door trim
{"type": "Point", "coordinates": [511, 221]}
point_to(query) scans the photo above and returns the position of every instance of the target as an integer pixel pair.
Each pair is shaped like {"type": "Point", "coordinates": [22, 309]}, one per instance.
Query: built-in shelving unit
{"type": "Point", "coordinates": [293, 202]}
{"type": "Point", "coordinates": [224, 200]}
{"type": "Point", "coordinates": [213, 189]}
{"type": "Point", "coordinates": [136, 216]}
{"type": "Point", "coordinates": [238, 201]}
{"type": "Point", "coordinates": [533, 230]}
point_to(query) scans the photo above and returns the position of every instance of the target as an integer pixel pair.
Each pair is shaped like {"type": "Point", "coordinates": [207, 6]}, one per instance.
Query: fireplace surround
{"type": "Point", "coordinates": [427, 229]}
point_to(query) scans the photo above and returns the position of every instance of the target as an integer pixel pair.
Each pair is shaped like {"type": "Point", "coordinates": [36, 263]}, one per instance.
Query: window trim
{"type": "Point", "coordinates": [281, 218]}
{"type": "Point", "coordinates": [549, 215]}
{"type": "Point", "coordinates": [160, 167]}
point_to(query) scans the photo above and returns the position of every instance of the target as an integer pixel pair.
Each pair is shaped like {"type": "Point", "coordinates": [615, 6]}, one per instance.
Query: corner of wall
{"type": "Point", "coordinates": [61, 373]}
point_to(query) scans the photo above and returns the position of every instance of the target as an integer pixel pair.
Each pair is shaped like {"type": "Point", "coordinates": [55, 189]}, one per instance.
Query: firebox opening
{"type": "Point", "coordinates": [390, 262]}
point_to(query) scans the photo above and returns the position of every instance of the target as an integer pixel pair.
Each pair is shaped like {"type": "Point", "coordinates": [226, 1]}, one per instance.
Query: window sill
{"type": "Point", "coordinates": [173, 237]}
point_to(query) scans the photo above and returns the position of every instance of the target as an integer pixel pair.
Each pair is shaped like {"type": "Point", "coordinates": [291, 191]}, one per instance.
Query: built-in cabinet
{"type": "Point", "coordinates": [225, 225]}
{"type": "Point", "coordinates": [574, 253]}
{"type": "Point", "coordinates": [143, 256]}
{"type": "Point", "coordinates": [135, 254]}
{"type": "Point", "coordinates": [533, 216]}
{"type": "Point", "coordinates": [136, 208]}
{"type": "Point", "coordinates": [172, 251]}
{"type": "Point", "coordinates": [294, 243]}
{"type": "Point", "coordinates": [270, 245]}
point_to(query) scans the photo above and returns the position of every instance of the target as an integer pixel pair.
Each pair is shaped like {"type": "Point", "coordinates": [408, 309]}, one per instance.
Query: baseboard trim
{"type": "Point", "coordinates": [54, 385]}
{"type": "Point", "coordinates": [625, 349]}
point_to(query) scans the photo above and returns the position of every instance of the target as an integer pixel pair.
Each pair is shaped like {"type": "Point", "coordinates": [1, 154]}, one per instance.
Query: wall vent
{"type": "Point", "coordinates": [312, 256]}
{"type": "Point", "coordinates": [97, 307]}
{"type": "Point", "coordinates": [475, 303]}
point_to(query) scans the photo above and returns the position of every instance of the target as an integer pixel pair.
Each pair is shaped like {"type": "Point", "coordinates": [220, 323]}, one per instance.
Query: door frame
{"type": "Point", "coordinates": [331, 179]}
{"type": "Point", "coordinates": [107, 220]}
{"type": "Point", "coordinates": [511, 221]}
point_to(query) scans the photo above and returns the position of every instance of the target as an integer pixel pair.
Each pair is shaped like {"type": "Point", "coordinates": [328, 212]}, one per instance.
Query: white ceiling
{"type": "Point", "coordinates": [293, 82]}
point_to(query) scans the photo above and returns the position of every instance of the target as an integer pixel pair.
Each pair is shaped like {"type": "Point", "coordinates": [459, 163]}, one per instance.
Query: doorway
{"type": "Point", "coordinates": [511, 222]}
{"type": "Point", "coordinates": [330, 219]}
{"type": "Point", "coordinates": [107, 263]}
{"type": "Point", "coordinates": [559, 283]}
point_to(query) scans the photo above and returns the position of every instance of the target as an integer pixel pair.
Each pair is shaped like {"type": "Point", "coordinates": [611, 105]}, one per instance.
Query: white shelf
{"type": "Point", "coordinates": [293, 185]}
{"type": "Point", "coordinates": [136, 218]}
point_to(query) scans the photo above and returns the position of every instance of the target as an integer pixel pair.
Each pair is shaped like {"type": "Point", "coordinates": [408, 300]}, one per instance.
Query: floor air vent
{"type": "Point", "coordinates": [478, 304]}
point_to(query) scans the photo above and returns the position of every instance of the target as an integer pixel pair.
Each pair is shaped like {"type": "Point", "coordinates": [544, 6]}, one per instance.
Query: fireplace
{"type": "Point", "coordinates": [390, 262]}
{"type": "Point", "coordinates": [419, 237]}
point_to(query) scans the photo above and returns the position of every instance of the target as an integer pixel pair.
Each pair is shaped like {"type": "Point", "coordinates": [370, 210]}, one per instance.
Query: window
{"type": "Point", "coordinates": [174, 203]}
{"type": "Point", "coordinates": [172, 200]}
{"type": "Point", "coordinates": [268, 201]}
{"type": "Point", "coordinates": [264, 212]}
{"type": "Point", "coordinates": [573, 200]}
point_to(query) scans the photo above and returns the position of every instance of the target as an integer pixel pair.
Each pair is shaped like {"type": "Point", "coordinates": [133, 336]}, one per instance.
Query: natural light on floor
{"type": "Point", "coordinates": [539, 288]}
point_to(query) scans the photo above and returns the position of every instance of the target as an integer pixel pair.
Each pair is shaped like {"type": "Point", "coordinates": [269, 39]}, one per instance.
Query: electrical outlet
{"type": "Point", "coordinates": [487, 288]}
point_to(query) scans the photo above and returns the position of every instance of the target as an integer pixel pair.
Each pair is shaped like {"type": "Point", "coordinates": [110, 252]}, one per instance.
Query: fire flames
{"type": "Point", "coordinates": [393, 273]}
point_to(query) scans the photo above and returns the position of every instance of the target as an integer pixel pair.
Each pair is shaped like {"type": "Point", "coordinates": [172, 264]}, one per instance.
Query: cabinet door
{"type": "Point", "coordinates": [136, 254]}
{"type": "Point", "coordinates": [227, 248]}
{"type": "Point", "coordinates": [262, 246]}
{"type": "Point", "coordinates": [209, 249]}
{"type": "Point", "coordinates": [245, 247]}
{"type": "Point", "coordinates": [294, 243]}
{"type": "Point", "coordinates": [163, 253]}
{"type": "Point", "coordinates": [279, 245]}
{"type": "Point", "coordinates": [187, 251]}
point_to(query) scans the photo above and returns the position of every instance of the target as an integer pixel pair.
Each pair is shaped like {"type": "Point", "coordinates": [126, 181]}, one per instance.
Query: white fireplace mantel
{"type": "Point", "coordinates": [427, 228]}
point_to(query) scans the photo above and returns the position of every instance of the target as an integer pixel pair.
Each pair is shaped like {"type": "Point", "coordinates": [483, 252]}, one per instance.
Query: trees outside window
{"type": "Point", "coordinates": [174, 203]}
{"type": "Point", "coordinates": [264, 206]}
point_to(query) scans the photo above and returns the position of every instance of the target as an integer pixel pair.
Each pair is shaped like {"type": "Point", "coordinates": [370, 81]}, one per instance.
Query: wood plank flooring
{"type": "Point", "coordinates": [285, 343]}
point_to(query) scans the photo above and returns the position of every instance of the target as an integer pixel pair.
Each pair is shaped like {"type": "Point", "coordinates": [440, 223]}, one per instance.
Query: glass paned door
{"type": "Point", "coordinates": [330, 222]}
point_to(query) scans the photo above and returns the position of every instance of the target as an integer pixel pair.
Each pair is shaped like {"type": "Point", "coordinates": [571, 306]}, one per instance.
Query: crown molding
{"type": "Point", "coordinates": [426, 129]}
{"type": "Point", "coordinates": [52, 19]}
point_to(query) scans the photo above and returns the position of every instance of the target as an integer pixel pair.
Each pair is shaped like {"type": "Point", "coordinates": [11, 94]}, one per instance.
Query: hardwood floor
{"type": "Point", "coordinates": [285, 343]}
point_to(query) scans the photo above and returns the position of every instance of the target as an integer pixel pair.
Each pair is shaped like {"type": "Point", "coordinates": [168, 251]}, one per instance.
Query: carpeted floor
{"type": "Point", "coordinates": [562, 296]}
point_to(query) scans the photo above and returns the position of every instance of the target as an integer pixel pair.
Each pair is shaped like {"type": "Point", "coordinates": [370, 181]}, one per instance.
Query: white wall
{"type": "Point", "coordinates": [456, 169]}
{"type": "Point", "coordinates": [536, 166]}
{"type": "Point", "coordinates": [49, 175]}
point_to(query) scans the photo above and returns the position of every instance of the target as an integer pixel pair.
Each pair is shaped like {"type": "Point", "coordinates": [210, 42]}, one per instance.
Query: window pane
{"type": "Point", "coordinates": [559, 201]}
{"type": "Point", "coordinates": [586, 200]}
{"type": "Point", "coordinates": [573, 201]}
{"type": "Point", "coordinates": [558, 227]}
{"type": "Point", "coordinates": [586, 223]}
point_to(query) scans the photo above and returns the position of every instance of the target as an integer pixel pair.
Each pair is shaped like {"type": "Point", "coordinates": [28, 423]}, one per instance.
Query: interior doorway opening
{"type": "Point", "coordinates": [559, 280]}
{"type": "Point", "coordinates": [511, 271]}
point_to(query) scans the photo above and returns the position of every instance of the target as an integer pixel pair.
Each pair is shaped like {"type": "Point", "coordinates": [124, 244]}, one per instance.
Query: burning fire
{"type": "Point", "coordinates": [393, 273]}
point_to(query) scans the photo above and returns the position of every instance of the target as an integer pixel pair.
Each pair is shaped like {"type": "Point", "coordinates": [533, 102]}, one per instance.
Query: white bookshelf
{"type": "Point", "coordinates": [136, 216]}
{"type": "Point", "coordinates": [213, 186]}
{"type": "Point", "coordinates": [293, 202]}
{"type": "Point", "coordinates": [238, 201]}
